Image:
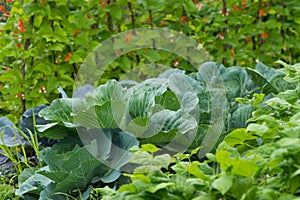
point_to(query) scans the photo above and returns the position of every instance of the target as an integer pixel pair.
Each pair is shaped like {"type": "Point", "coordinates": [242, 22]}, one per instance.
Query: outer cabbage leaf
{"type": "Point", "coordinates": [73, 168]}
{"type": "Point", "coordinates": [9, 134]}
{"type": "Point", "coordinates": [269, 79]}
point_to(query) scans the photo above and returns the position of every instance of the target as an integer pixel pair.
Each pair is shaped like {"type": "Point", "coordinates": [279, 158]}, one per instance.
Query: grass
{"type": "Point", "coordinates": [7, 192]}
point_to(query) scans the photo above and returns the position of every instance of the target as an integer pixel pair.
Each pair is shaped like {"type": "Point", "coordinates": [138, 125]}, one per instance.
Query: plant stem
{"type": "Point", "coordinates": [151, 18]}
{"type": "Point", "coordinates": [225, 46]}
{"type": "Point", "coordinates": [109, 19]}
{"type": "Point", "coordinates": [281, 29]}
{"type": "Point", "coordinates": [258, 22]}
{"type": "Point", "coordinates": [23, 67]}
{"type": "Point", "coordinates": [131, 15]}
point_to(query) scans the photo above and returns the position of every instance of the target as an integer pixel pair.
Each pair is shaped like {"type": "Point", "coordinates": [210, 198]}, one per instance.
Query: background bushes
{"type": "Point", "coordinates": [43, 42]}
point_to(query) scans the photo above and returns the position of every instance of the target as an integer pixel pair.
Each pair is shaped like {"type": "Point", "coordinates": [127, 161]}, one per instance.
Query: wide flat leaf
{"type": "Point", "coordinates": [141, 157]}
{"type": "Point", "coordinates": [168, 100]}
{"type": "Point", "coordinates": [122, 142]}
{"type": "Point", "coordinates": [211, 71]}
{"type": "Point", "coordinates": [157, 122]}
{"type": "Point", "coordinates": [32, 182]}
{"type": "Point", "coordinates": [199, 135]}
{"type": "Point", "coordinates": [111, 177]}
{"type": "Point", "coordinates": [71, 168]}
{"type": "Point", "coordinates": [268, 72]}
{"type": "Point", "coordinates": [110, 146]}
{"type": "Point", "coordinates": [54, 131]}
{"type": "Point", "coordinates": [116, 12]}
{"type": "Point", "coordinates": [82, 91]}
{"type": "Point", "coordinates": [9, 135]}
{"type": "Point", "coordinates": [246, 168]}
{"type": "Point", "coordinates": [169, 72]}
{"type": "Point", "coordinates": [189, 103]}
{"type": "Point", "coordinates": [167, 120]}
{"type": "Point", "coordinates": [60, 111]}
{"type": "Point", "coordinates": [149, 162]}
{"type": "Point", "coordinates": [280, 84]}
{"type": "Point", "coordinates": [238, 136]}
{"type": "Point", "coordinates": [235, 81]}
{"type": "Point", "coordinates": [268, 79]}
{"type": "Point", "coordinates": [48, 193]}
{"type": "Point", "coordinates": [152, 55]}
{"type": "Point", "coordinates": [140, 104]}
{"type": "Point", "coordinates": [293, 132]}
{"type": "Point", "coordinates": [76, 158]}
{"type": "Point", "coordinates": [180, 120]}
{"type": "Point", "coordinates": [80, 177]}
{"type": "Point", "coordinates": [180, 84]}
{"type": "Point", "coordinates": [257, 77]}
{"type": "Point", "coordinates": [111, 91]}
{"type": "Point", "coordinates": [290, 96]}
{"type": "Point", "coordinates": [137, 126]}
{"type": "Point", "coordinates": [211, 137]}
{"type": "Point", "coordinates": [159, 187]}
{"type": "Point", "coordinates": [54, 156]}
{"type": "Point", "coordinates": [110, 114]}
{"type": "Point", "coordinates": [278, 104]}
{"type": "Point", "coordinates": [258, 129]}
{"type": "Point", "coordinates": [195, 170]}
{"type": "Point", "coordinates": [223, 183]}
{"type": "Point", "coordinates": [162, 160]}
{"type": "Point", "coordinates": [161, 137]}
{"type": "Point", "coordinates": [97, 141]}
{"type": "Point", "coordinates": [143, 96]}
{"type": "Point", "coordinates": [149, 148]}
{"type": "Point", "coordinates": [230, 159]}
{"type": "Point", "coordinates": [87, 118]}
{"type": "Point", "coordinates": [27, 119]}
{"type": "Point", "coordinates": [241, 115]}
{"type": "Point", "coordinates": [6, 165]}
{"type": "Point", "coordinates": [204, 106]}
{"type": "Point", "coordinates": [226, 159]}
{"type": "Point", "coordinates": [55, 176]}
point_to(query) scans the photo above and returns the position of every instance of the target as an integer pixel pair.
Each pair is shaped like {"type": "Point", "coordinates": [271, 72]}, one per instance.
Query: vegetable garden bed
{"type": "Point", "coordinates": [117, 100]}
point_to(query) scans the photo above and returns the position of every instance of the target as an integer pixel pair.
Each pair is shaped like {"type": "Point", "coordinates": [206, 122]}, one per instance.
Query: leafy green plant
{"type": "Point", "coordinates": [86, 129]}
{"type": "Point", "coordinates": [184, 179]}
{"type": "Point", "coordinates": [172, 107]}
{"type": "Point", "coordinates": [72, 169]}
{"type": "Point", "coordinates": [18, 150]}
{"type": "Point", "coordinates": [268, 147]}
{"type": "Point", "coordinates": [257, 162]}
{"type": "Point", "coordinates": [42, 46]}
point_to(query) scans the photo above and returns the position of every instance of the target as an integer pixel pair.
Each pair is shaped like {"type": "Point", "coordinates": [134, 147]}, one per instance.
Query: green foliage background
{"type": "Point", "coordinates": [43, 42]}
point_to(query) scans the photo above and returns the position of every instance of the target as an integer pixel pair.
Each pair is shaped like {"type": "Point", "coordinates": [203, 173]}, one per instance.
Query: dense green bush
{"type": "Point", "coordinates": [44, 42]}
